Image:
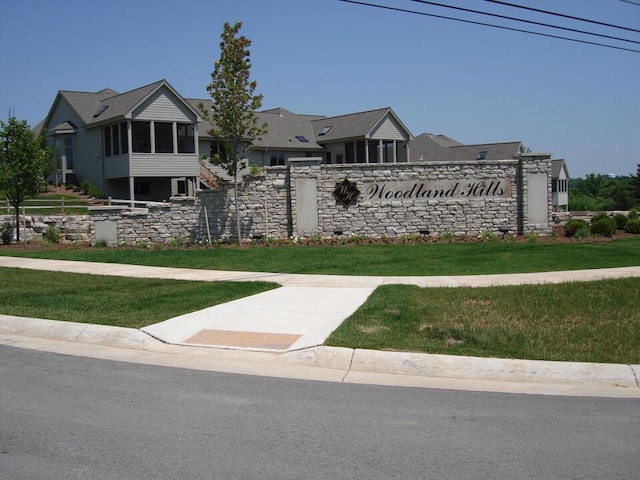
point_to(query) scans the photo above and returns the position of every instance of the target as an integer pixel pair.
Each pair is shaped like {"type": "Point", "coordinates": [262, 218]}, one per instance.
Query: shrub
{"type": "Point", "coordinates": [573, 226]}
{"type": "Point", "coordinates": [490, 236]}
{"type": "Point", "coordinates": [603, 226]}
{"type": "Point", "coordinates": [531, 237]}
{"type": "Point", "coordinates": [633, 226]}
{"type": "Point", "coordinates": [95, 192]}
{"type": "Point", "coordinates": [6, 233]}
{"type": "Point", "coordinates": [634, 213]}
{"type": "Point", "coordinates": [52, 234]}
{"type": "Point", "coordinates": [85, 186]}
{"type": "Point", "coordinates": [621, 221]}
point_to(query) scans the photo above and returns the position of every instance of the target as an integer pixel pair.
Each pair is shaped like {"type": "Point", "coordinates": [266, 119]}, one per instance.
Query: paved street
{"type": "Point", "coordinates": [75, 417]}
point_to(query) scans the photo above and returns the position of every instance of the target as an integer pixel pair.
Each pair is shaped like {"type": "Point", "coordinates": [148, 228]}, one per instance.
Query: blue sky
{"type": "Point", "coordinates": [472, 83]}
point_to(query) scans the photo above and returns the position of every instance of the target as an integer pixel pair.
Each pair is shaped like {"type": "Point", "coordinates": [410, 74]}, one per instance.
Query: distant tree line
{"type": "Point", "coordinates": [600, 192]}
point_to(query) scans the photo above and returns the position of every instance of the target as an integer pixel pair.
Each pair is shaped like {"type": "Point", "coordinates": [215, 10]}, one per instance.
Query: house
{"type": "Point", "coordinates": [559, 185]}
{"type": "Point", "coordinates": [430, 148]}
{"type": "Point", "coordinates": [146, 144]}
{"type": "Point", "coordinates": [141, 144]}
{"type": "Point", "coordinates": [376, 136]}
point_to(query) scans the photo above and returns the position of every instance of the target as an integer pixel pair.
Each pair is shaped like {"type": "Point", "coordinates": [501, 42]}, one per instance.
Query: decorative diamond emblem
{"type": "Point", "coordinates": [346, 192]}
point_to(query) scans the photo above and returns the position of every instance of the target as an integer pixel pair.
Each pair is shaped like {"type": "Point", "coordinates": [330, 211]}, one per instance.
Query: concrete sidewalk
{"type": "Point", "coordinates": [298, 317]}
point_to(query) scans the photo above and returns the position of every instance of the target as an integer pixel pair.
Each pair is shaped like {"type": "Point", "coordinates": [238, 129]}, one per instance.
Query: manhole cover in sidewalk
{"type": "Point", "coordinates": [228, 338]}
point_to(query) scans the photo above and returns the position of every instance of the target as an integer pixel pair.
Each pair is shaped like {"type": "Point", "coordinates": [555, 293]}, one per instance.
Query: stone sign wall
{"type": "Point", "coordinates": [309, 198]}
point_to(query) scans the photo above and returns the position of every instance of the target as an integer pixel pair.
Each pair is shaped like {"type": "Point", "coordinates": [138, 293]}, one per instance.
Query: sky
{"type": "Point", "coordinates": [473, 83]}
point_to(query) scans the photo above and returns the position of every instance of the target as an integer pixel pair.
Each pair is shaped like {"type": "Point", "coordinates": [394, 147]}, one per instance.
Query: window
{"type": "Point", "coordinates": [141, 137]}
{"type": "Point", "coordinates": [302, 138]}
{"type": "Point", "coordinates": [107, 141]}
{"type": "Point", "coordinates": [68, 152]}
{"type": "Point", "coordinates": [182, 186]}
{"type": "Point", "coordinates": [560, 186]}
{"type": "Point", "coordinates": [216, 149]}
{"type": "Point", "coordinates": [141, 188]}
{"type": "Point", "coordinates": [124, 142]}
{"type": "Point", "coordinates": [482, 155]}
{"type": "Point", "coordinates": [324, 131]}
{"type": "Point", "coordinates": [276, 159]}
{"type": "Point", "coordinates": [100, 110]}
{"type": "Point", "coordinates": [163, 137]}
{"type": "Point", "coordinates": [186, 138]}
{"type": "Point", "coordinates": [115, 134]}
{"type": "Point", "coordinates": [350, 152]}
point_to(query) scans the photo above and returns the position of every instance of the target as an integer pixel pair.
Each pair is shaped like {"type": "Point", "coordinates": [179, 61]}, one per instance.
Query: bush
{"type": "Point", "coordinates": [85, 187]}
{"type": "Point", "coordinates": [6, 233]}
{"type": "Point", "coordinates": [52, 234]}
{"type": "Point", "coordinates": [603, 226]}
{"type": "Point", "coordinates": [574, 226]}
{"type": "Point", "coordinates": [621, 221]}
{"type": "Point", "coordinates": [633, 226]}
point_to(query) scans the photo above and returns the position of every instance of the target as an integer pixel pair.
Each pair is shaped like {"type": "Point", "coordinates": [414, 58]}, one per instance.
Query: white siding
{"type": "Point", "coordinates": [389, 129]}
{"type": "Point", "coordinates": [164, 165]}
{"type": "Point", "coordinates": [164, 106]}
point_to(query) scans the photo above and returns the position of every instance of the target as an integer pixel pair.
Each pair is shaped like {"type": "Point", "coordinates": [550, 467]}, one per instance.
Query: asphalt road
{"type": "Point", "coordinates": [64, 417]}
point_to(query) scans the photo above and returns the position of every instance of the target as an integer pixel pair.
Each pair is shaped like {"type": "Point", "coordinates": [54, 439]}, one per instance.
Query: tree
{"type": "Point", "coordinates": [25, 160]}
{"type": "Point", "coordinates": [233, 114]}
{"type": "Point", "coordinates": [635, 183]}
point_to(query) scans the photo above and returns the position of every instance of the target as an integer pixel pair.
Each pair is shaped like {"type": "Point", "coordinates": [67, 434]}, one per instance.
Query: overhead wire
{"type": "Point", "coordinates": [547, 12]}
{"type": "Point", "coordinates": [484, 24]}
{"type": "Point", "coordinates": [531, 22]}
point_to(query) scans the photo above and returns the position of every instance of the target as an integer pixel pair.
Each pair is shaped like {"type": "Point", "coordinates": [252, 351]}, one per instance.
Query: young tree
{"type": "Point", "coordinates": [233, 117]}
{"type": "Point", "coordinates": [25, 160]}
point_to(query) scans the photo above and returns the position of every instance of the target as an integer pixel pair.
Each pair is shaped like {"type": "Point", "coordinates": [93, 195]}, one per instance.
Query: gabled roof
{"type": "Point", "coordinates": [353, 125]}
{"type": "Point", "coordinates": [287, 130]}
{"type": "Point", "coordinates": [117, 106]}
{"type": "Point", "coordinates": [83, 103]}
{"type": "Point", "coordinates": [556, 167]}
{"type": "Point", "coordinates": [122, 105]}
{"type": "Point", "coordinates": [96, 108]}
{"type": "Point", "coordinates": [428, 147]}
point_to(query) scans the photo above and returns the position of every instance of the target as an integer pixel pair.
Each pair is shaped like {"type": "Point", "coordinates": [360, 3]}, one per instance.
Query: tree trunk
{"type": "Point", "coordinates": [237, 214]}
{"type": "Point", "coordinates": [17, 215]}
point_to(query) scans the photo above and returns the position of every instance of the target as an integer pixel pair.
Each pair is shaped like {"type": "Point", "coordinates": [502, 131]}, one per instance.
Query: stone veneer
{"type": "Point", "coordinates": [72, 227]}
{"type": "Point", "coordinates": [269, 202]}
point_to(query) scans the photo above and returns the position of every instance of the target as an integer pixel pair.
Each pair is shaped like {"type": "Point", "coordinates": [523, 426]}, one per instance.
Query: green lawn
{"type": "Point", "coordinates": [584, 321]}
{"type": "Point", "coordinates": [592, 321]}
{"type": "Point", "coordinates": [402, 259]}
{"type": "Point", "coordinates": [106, 300]}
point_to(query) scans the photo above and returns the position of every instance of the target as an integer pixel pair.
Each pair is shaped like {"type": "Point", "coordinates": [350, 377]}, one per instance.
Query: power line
{"type": "Point", "coordinates": [540, 24]}
{"type": "Point", "coordinates": [385, 7]}
{"type": "Point", "coordinates": [632, 3]}
{"type": "Point", "coordinates": [531, 9]}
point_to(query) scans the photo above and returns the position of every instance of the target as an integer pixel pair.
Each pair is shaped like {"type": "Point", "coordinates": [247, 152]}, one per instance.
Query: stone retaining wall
{"type": "Point", "coordinates": [72, 227]}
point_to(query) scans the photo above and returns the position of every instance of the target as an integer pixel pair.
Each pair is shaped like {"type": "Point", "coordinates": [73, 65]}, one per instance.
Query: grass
{"type": "Point", "coordinates": [581, 322]}
{"type": "Point", "coordinates": [591, 321]}
{"type": "Point", "coordinates": [390, 260]}
{"type": "Point", "coordinates": [106, 300]}
{"type": "Point", "coordinates": [50, 205]}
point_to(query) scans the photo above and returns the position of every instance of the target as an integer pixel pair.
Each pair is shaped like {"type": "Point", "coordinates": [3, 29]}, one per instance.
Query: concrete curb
{"type": "Point", "coordinates": [352, 361]}
{"type": "Point", "coordinates": [119, 337]}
